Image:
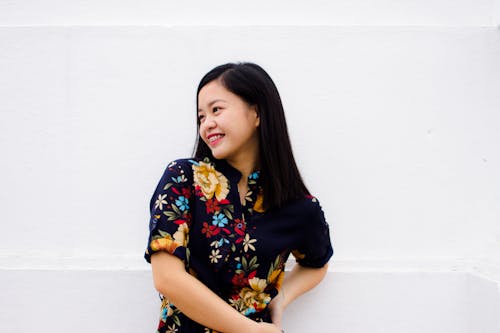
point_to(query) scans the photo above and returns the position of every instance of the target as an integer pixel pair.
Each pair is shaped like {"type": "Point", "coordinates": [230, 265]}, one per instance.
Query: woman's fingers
{"type": "Point", "coordinates": [276, 307]}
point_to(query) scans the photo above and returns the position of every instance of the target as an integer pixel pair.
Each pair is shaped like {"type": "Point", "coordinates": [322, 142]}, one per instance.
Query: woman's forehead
{"type": "Point", "coordinates": [212, 93]}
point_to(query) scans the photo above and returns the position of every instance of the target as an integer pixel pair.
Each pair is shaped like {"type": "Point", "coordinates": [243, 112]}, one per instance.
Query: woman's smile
{"type": "Point", "coordinates": [214, 139]}
{"type": "Point", "coordinates": [228, 124]}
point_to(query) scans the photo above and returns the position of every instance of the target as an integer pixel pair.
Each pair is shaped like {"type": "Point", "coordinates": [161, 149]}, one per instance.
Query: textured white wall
{"type": "Point", "coordinates": [396, 131]}
{"type": "Point", "coordinates": [393, 115]}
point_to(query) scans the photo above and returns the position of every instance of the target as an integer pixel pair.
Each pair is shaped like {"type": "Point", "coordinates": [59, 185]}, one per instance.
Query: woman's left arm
{"type": "Point", "coordinates": [298, 281]}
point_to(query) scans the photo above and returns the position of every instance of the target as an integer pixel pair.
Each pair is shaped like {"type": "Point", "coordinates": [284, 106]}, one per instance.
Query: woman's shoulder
{"type": "Point", "coordinates": [178, 170]}
{"type": "Point", "coordinates": [189, 167]}
{"type": "Point", "coordinates": [190, 161]}
{"type": "Point", "coordinates": [307, 204]}
{"type": "Point", "coordinates": [185, 163]}
{"type": "Point", "coordinates": [308, 200]}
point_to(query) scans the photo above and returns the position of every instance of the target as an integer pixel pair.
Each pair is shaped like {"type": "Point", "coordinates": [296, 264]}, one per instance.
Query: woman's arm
{"type": "Point", "coordinates": [197, 301]}
{"type": "Point", "coordinates": [298, 281]}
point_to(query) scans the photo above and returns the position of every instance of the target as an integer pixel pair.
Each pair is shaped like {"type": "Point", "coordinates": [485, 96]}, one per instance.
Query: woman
{"type": "Point", "coordinates": [224, 222]}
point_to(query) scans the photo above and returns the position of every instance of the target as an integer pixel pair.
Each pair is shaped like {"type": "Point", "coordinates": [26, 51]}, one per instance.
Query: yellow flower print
{"type": "Point", "coordinates": [254, 298]}
{"type": "Point", "coordinates": [180, 236]}
{"type": "Point", "coordinates": [258, 205]}
{"type": "Point", "coordinates": [211, 181]}
{"type": "Point", "coordinates": [165, 244]}
{"type": "Point", "coordinates": [277, 278]}
{"type": "Point", "coordinates": [298, 255]}
{"type": "Point", "coordinates": [169, 243]}
{"type": "Point", "coordinates": [274, 274]}
{"type": "Point", "coordinates": [257, 284]}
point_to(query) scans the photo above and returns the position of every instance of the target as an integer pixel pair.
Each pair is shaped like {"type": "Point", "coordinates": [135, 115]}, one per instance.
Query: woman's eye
{"type": "Point", "coordinates": [200, 117]}
{"type": "Point", "coordinates": [216, 109]}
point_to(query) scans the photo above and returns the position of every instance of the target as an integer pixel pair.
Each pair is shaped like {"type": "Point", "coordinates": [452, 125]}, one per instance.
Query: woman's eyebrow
{"type": "Point", "coordinates": [213, 102]}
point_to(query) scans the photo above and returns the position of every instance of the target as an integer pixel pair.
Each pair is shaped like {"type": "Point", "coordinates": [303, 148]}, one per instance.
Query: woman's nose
{"type": "Point", "coordinates": [209, 123]}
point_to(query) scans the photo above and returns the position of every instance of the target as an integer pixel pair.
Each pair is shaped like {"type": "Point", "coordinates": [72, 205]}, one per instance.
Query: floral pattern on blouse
{"type": "Point", "coordinates": [237, 250]}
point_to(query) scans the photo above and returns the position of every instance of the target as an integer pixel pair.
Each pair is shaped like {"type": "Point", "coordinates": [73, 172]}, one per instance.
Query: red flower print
{"type": "Point", "coordinates": [187, 217]}
{"type": "Point", "coordinates": [240, 279]}
{"type": "Point", "coordinates": [197, 191]}
{"type": "Point", "coordinates": [252, 275]}
{"type": "Point", "coordinates": [212, 206]}
{"type": "Point", "coordinates": [209, 230]}
{"type": "Point", "coordinates": [186, 192]}
{"type": "Point", "coordinates": [179, 221]}
{"type": "Point", "coordinates": [239, 227]}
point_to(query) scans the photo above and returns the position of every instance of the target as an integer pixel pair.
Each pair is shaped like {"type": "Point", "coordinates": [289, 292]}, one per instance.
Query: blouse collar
{"type": "Point", "coordinates": [234, 174]}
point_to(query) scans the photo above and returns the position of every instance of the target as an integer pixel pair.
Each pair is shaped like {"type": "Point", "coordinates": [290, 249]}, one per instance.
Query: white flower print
{"type": "Point", "coordinates": [247, 243]}
{"type": "Point", "coordinates": [172, 329]}
{"type": "Point", "coordinates": [161, 201]}
{"type": "Point", "coordinates": [215, 256]}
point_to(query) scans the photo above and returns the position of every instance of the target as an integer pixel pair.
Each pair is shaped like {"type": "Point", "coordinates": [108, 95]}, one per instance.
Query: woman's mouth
{"type": "Point", "coordinates": [214, 139]}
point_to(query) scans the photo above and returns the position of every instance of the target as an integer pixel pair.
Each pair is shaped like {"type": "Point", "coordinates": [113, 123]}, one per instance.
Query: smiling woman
{"type": "Point", "coordinates": [228, 125]}
{"type": "Point", "coordinates": [224, 222]}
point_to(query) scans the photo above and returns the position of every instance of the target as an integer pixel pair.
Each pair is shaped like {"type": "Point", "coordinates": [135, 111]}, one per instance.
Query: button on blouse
{"type": "Point", "coordinates": [237, 250]}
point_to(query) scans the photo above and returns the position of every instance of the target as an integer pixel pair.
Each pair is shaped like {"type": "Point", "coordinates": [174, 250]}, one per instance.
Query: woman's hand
{"type": "Point", "coordinates": [268, 328]}
{"type": "Point", "coordinates": [277, 307]}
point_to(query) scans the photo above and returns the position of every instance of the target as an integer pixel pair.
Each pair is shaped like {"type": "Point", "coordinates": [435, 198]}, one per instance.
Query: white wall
{"type": "Point", "coordinates": [350, 302]}
{"type": "Point", "coordinates": [396, 131]}
{"type": "Point", "coordinates": [393, 114]}
{"type": "Point", "coordinates": [259, 12]}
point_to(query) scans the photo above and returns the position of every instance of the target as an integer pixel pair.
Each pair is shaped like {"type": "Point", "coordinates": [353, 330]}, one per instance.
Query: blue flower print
{"type": "Point", "coordinates": [179, 179]}
{"type": "Point", "coordinates": [219, 220]}
{"type": "Point", "coordinates": [182, 203]}
{"type": "Point", "coordinates": [164, 314]}
{"type": "Point", "coordinates": [249, 311]}
{"type": "Point", "coordinates": [254, 175]}
{"type": "Point", "coordinates": [223, 240]}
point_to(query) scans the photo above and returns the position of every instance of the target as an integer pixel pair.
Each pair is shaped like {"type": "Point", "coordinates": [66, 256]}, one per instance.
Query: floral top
{"type": "Point", "coordinates": [238, 251]}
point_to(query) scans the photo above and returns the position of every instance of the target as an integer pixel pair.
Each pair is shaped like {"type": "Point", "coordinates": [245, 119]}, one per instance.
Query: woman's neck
{"type": "Point", "coordinates": [245, 166]}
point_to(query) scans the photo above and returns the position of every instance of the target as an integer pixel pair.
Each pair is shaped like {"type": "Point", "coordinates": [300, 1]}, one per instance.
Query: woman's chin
{"type": "Point", "coordinates": [216, 153]}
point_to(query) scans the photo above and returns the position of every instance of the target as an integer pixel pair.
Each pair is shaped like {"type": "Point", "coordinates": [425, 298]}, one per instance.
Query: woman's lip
{"type": "Point", "coordinates": [216, 141]}
{"type": "Point", "coordinates": [214, 134]}
{"type": "Point", "coordinates": [213, 143]}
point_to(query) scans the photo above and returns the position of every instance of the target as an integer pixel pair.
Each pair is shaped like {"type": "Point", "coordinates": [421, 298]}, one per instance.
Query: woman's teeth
{"type": "Point", "coordinates": [215, 137]}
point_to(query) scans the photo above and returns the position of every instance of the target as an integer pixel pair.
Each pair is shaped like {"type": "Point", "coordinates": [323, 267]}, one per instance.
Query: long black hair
{"type": "Point", "coordinates": [280, 178]}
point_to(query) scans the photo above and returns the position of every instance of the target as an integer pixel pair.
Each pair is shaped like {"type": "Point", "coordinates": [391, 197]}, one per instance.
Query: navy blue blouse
{"type": "Point", "coordinates": [237, 250]}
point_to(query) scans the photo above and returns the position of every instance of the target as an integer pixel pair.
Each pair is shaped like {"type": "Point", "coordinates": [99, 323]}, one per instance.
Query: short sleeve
{"type": "Point", "coordinates": [315, 248]}
{"type": "Point", "coordinates": [170, 209]}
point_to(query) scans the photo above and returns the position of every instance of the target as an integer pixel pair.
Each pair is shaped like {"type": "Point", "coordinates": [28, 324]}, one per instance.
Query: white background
{"type": "Point", "coordinates": [393, 111]}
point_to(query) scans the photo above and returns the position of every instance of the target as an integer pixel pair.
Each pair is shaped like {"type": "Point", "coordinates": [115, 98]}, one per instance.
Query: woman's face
{"type": "Point", "coordinates": [228, 125]}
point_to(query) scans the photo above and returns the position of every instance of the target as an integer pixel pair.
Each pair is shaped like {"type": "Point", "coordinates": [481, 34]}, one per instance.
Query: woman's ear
{"type": "Point", "coordinates": [257, 117]}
